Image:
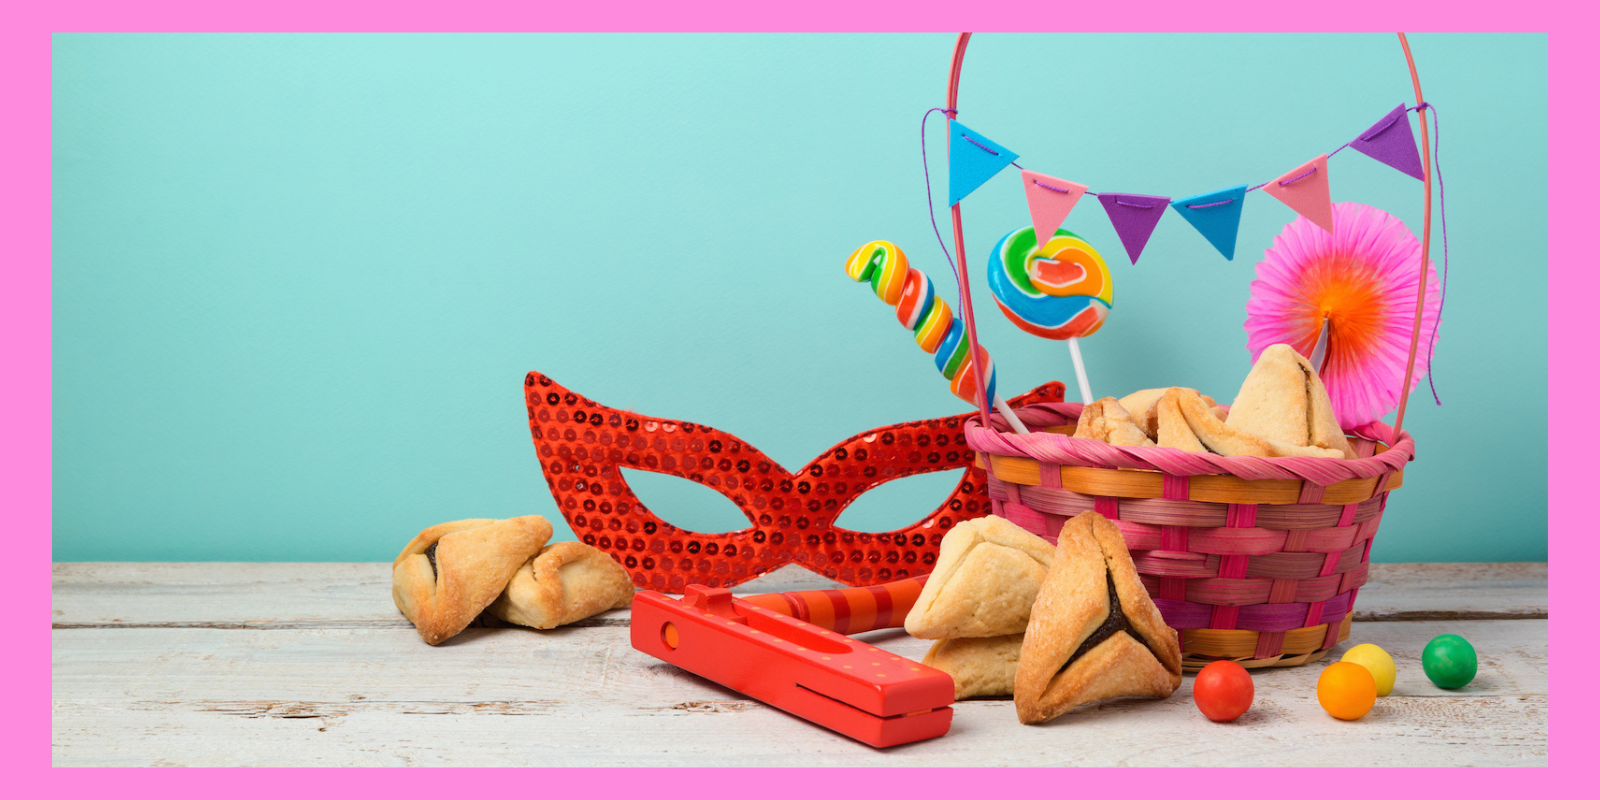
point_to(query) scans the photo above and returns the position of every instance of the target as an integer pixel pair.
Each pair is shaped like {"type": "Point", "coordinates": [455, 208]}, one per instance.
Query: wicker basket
{"type": "Point", "coordinates": [1254, 560]}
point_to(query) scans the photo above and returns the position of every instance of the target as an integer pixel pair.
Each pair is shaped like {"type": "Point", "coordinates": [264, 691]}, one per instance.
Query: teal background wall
{"type": "Point", "coordinates": [298, 278]}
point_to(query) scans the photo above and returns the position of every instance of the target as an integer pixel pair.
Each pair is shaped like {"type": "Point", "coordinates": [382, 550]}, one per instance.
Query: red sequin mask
{"type": "Point", "coordinates": [584, 446]}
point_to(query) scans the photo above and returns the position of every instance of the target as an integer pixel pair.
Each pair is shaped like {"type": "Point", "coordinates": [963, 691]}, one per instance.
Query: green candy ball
{"type": "Point", "coordinates": [1450, 661]}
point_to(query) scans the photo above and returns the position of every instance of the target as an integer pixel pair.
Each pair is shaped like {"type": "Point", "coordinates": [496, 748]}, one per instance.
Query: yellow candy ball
{"type": "Point", "coordinates": [1346, 691]}
{"type": "Point", "coordinates": [1377, 662]}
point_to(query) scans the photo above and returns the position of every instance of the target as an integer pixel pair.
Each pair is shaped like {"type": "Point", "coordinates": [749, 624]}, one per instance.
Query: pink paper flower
{"type": "Point", "coordinates": [1363, 279]}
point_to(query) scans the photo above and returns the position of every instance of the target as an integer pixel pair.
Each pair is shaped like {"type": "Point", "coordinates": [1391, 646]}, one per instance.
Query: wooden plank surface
{"type": "Point", "coordinates": [296, 664]}
{"type": "Point", "coordinates": [322, 595]}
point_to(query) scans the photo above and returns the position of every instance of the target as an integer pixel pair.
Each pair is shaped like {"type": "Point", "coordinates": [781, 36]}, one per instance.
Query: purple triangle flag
{"type": "Point", "coordinates": [1134, 216]}
{"type": "Point", "coordinates": [1390, 140]}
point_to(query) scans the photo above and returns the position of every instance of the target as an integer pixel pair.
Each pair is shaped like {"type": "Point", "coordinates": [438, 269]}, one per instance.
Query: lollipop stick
{"type": "Point", "coordinates": [1083, 377]}
{"type": "Point", "coordinates": [1011, 417]}
{"type": "Point", "coordinates": [1319, 351]}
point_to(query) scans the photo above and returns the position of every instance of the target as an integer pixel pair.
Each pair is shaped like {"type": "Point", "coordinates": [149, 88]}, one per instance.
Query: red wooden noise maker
{"type": "Point", "coordinates": [585, 446]}
{"type": "Point", "coordinates": [764, 647]}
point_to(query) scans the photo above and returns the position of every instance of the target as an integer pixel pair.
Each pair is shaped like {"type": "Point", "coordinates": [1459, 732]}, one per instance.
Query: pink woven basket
{"type": "Point", "coordinates": [1254, 560]}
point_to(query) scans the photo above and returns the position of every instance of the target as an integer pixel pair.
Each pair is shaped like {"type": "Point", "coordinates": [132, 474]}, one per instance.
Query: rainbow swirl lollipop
{"type": "Point", "coordinates": [926, 315]}
{"type": "Point", "coordinates": [1059, 291]}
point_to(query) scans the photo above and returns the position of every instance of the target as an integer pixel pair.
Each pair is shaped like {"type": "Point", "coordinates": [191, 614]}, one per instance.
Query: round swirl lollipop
{"type": "Point", "coordinates": [1061, 290]}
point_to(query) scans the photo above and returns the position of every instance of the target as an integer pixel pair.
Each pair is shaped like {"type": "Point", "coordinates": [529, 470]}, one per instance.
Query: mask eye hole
{"type": "Point", "coordinates": [900, 502]}
{"type": "Point", "coordinates": [684, 503]}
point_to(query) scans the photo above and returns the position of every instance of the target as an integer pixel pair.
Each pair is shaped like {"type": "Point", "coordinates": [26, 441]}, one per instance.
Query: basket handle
{"type": "Point", "coordinates": [1422, 278]}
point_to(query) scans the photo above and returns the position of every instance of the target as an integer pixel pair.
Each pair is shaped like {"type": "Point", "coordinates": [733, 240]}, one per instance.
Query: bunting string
{"type": "Point", "coordinates": [1215, 215]}
{"type": "Point", "coordinates": [980, 146]}
{"type": "Point", "coordinates": [1308, 173]}
{"type": "Point", "coordinates": [928, 181]}
{"type": "Point", "coordinates": [1444, 263]}
{"type": "Point", "coordinates": [1365, 137]}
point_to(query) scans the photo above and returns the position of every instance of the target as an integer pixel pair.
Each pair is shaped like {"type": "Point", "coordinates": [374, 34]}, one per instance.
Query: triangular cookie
{"type": "Point", "coordinates": [1272, 400]}
{"type": "Point", "coordinates": [1107, 421]}
{"type": "Point", "coordinates": [1324, 424]}
{"type": "Point", "coordinates": [566, 582]}
{"type": "Point", "coordinates": [1284, 400]}
{"type": "Point", "coordinates": [451, 572]}
{"type": "Point", "coordinates": [984, 667]}
{"type": "Point", "coordinates": [1219, 437]}
{"type": "Point", "coordinates": [1186, 423]}
{"type": "Point", "coordinates": [1142, 407]}
{"type": "Point", "coordinates": [1172, 430]}
{"type": "Point", "coordinates": [988, 573]}
{"type": "Point", "coordinates": [1094, 633]}
{"type": "Point", "coordinates": [1281, 449]}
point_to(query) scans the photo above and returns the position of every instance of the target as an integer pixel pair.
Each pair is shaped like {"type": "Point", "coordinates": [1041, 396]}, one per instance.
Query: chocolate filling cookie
{"type": "Point", "coordinates": [449, 573]}
{"type": "Point", "coordinates": [1094, 634]}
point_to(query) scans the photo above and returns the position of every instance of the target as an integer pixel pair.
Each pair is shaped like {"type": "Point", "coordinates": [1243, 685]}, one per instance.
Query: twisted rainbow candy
{"type": "Point", "coordinates": [937, 329]}
{"type": "Point", "coordinates": [1059, 291]}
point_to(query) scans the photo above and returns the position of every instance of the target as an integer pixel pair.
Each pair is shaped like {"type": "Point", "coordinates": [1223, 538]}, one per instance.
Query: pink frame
{"type": "Point", "coordinates": [25, 313]}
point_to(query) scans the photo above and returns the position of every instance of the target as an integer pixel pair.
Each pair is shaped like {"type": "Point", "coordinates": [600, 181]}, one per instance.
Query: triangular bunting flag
{"type": "Point", "coordinates": [1050, 200]}
{"type": "Point", "coordinates": [1391, 141]}
{"type": "Point", "coordinates": [1305, 189]}
{"type": "Point", "coordinates": [1134, 216]}
{"type": "Point", "coordinates": [1215, 215]}
{"type": "Point", "coordinates": [974, 159]}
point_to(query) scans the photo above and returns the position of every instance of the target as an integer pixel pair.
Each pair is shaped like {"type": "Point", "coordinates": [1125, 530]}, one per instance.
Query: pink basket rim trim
{"type": "Point", "coordinates": [1058, 448]}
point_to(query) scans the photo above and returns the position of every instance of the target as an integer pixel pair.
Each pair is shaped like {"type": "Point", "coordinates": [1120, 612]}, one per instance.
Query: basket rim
{"type": "Point", "coordinates": [1061, 449]}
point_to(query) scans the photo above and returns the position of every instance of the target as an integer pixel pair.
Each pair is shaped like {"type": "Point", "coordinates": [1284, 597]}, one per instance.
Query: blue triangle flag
{"type": "Point", "coordinates": [1215, 215]}
{"type": "Point", "coordinates": [974, 159]}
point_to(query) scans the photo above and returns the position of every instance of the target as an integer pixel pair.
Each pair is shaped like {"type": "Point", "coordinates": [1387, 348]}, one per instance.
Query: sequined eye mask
{"type": "Point", "coordinates": [584, 446]}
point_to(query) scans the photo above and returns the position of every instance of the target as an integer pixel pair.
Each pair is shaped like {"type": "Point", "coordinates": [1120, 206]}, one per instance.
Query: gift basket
{"type": "Point", "coordinates": [1254, 560]}
{"type": "Point", "coordinates": [1250, 559]}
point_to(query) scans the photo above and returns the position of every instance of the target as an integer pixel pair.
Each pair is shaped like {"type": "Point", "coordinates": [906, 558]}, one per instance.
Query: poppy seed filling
{"type": "Point", "coordinates": [433, 561]}
{"type": "Point", "coordinates": [1115, 621]}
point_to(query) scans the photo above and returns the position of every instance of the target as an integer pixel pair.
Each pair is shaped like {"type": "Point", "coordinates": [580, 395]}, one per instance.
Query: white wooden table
{"type": "Point", "coordinates": [310, 664]}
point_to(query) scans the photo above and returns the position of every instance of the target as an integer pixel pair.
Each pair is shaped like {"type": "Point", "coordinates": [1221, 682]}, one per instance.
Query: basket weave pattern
{"type": "Point", "coordinates": [1253, 560]}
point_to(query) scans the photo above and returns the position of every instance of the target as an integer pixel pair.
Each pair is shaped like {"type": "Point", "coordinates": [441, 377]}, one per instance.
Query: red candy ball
{"type": "Point", "coordinates": [1223, 691]}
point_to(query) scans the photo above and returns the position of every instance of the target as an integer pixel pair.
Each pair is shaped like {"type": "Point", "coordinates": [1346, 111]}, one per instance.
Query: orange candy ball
{"type": "Point", "coordinates": [1346, 690]}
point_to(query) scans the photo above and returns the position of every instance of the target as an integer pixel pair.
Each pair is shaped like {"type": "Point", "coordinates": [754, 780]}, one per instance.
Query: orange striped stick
{"type": "Point", "coordinates": [849, 610]}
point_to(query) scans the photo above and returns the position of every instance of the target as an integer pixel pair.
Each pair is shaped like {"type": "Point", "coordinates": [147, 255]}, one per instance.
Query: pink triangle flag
{"type": "Point", "coordinates": [1050, 200]}
{"type": "Point", "coordinates": [1305, 189]}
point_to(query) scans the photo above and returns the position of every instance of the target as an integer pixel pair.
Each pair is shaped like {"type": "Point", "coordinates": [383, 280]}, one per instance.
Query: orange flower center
{"type": "Point", "coordinates": [1341, 289]}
